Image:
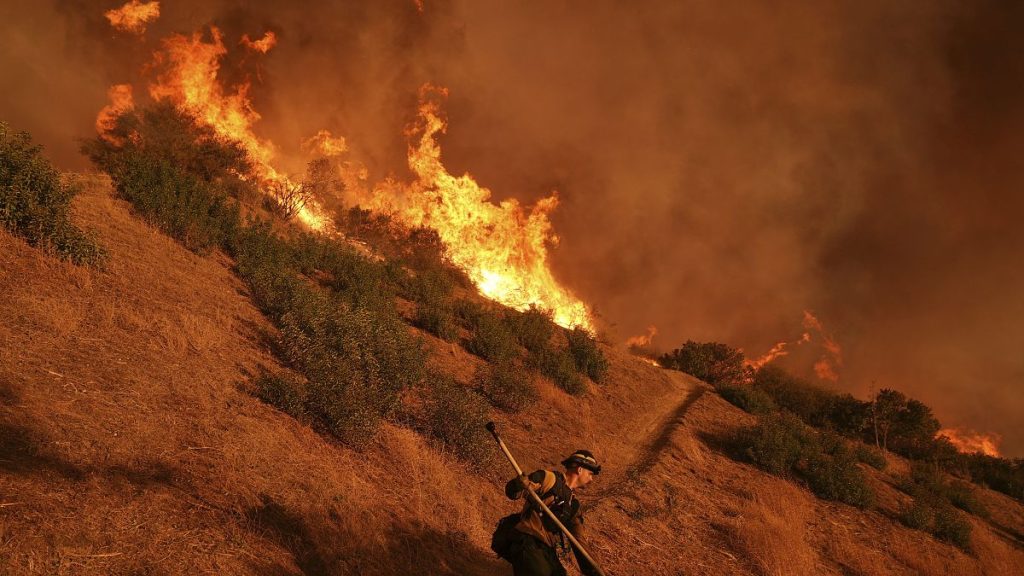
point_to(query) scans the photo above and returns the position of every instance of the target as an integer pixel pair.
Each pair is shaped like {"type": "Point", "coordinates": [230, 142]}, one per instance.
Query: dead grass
{"type": "Point", "coordinates": [771, 531]}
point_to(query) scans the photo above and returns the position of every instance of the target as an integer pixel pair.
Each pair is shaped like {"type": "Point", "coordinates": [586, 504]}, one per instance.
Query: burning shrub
{"type": "Point", "coordinates": [455, 416]}
{"type": "Point", "coordinates": [286, 198]}
{"type": "Point", "coordinates": [532, 328]}
{"type": "Point", "coordinates": [507, 385]}
{"type": "Point", "coordinates": [35, 204]}
{"type": "Point", "coordinates": [175, 173]}
{"type": "Point", "coordinates": [711, 362]}
{"type": "Point", "coordinates": [585, 353]}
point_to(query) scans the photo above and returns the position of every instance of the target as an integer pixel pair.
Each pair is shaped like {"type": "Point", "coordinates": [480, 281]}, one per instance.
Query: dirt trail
{"type": "Point", "coordinates": [655, 440]}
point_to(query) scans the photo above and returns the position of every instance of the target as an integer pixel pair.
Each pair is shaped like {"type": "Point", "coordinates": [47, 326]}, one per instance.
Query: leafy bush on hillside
{"type": "Point", "coordinates": [711, 362]}
{"type": "Point", "coordinates": [560, 366]}
{"type": "Point", "coordinates": [533, 328]}
{"type": "Point", "coordinates": [357, 362]}
{"type": "Point", "coordinates": [283, 392]}
{"type": "Point", "coordinates": [491, 338]}
{"type": "Point", "coordinates": [748, 398]}
{"type": "Point", "coordinates": [175, 173]}
{"type": "Point", "coordinates": [456, 416]}
{"type": "Point", "coordinates": [871, 456]}
{"type": "Point", "coordinates": [431, 290]}
{"type": "Point", "coordinates": [930, 513]}
{"type": "Point", "coordinates": [585, 353]}
{"type": "Point", "coordinates": [36, 205]}
{"type": "Point", "coordinates": [507, 385]}
{"type": "Point", "coordinates": [782, 445]}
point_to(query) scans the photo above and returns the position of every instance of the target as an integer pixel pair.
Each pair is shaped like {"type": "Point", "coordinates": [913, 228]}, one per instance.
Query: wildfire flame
{"type": "Point", "coordinates": [189, 79]}
{"type": "Point", "coordinates": [826, 367]}
{"type": "Point", "coordinates": [263, 45]}
{"type": "Point", "coordinates": [133, 16]}
{"type": "Point", "coordinates": [969, 441]}
{"type": "Point", "coordinates": [642, 340]}
{"type": "Point", "coordinates": [501, 247]}
{"type": "Point", "coordinates": [326, 144]}
{"type": "Point", "coordinates": [121, 101]}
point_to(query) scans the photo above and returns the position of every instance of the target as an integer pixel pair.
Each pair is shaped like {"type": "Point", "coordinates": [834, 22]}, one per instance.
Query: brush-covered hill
{"type": "Point", "coordinates": [133, 441]}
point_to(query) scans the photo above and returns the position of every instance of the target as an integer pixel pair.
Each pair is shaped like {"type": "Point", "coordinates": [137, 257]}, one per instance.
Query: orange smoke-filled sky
{"type": "Point", "coordinates": [722, 167]}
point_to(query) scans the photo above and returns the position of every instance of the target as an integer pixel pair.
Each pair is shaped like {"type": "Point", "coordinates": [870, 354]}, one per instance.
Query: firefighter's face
{"type": "Point", "coordinates": [585, 476]}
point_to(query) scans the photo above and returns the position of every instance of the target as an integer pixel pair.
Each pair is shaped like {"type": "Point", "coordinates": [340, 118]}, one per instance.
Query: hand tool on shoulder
{"type": "Point", "coordinates": [540, 503]}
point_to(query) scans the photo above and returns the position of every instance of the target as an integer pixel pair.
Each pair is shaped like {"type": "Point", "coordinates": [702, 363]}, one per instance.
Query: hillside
{"type": "Point", "coordinates": [131, 443]}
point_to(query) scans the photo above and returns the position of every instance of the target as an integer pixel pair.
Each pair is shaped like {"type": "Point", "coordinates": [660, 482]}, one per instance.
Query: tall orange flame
{"type": "Point", "coordinates": [133, 16]}
{"type": "Point", "coordinates": [189, 79]}
{"type": "Point", "coordinates": [121, 101]}
{"type": "Point", "coordinates": [501, 247]}
{"type": "Point", "coordinates": [263, 45]}
{"type": "Point", "coordinates": [642, 340]}
{"type": "Point", "coordinates": [826, 367]}
{"type": "Point", "coordinates": [969, 441]}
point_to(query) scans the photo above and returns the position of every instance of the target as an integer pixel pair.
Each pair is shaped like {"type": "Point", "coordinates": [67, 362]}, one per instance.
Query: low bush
{"type": "Point", "coordinates": [712, 362]}
{"type": "Point", "coordinates": [357, 362]}
{"type": "Point", "coordinates": [560, 367]}
{"type": "Point", "coordinates": [747, 398]}
{"type": "Point", "coordinates": [782, 445]}
{"type": "Point", "coordinates": [455, 416]}
{"type": "Point", "coordinates": [36, 204]}
{"type": "Point", "coordinates": [928, 512]}
{"type": "Point", "coordinates": [507, 385]}
{"type": "Point", "coordinates": [491, 338]}
{"type": "Point", "coordinates": [533, 328]}
{"type": "Point", "coordinates": [284, 392]}
{"type": "Point", "coordinates": [587, 355]}
{"type": "Point", "coordinates": [871, 456]}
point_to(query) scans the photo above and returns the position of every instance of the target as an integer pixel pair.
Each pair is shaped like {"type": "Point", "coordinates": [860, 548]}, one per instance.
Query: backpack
{"type": "Point", "coordinates": [505, 536]}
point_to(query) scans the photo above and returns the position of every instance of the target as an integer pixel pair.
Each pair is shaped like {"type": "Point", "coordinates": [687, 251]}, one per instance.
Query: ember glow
{"type": "Point", "coordinates": [503, 248]}
{"type": "Point", "coordinates": [969, 441]}
{"type": "Point", "coordinates": [133, 16]}
{"type": "Point", "coordinates": [642, 340]}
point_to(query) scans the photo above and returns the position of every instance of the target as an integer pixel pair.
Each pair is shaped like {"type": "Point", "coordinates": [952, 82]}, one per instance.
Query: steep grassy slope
{"type": "Point", "coordinates": [130, 443]}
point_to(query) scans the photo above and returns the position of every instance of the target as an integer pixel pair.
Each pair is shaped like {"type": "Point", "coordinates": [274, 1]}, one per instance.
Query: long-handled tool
{"type": "Point", "coordinates": [540, 503]}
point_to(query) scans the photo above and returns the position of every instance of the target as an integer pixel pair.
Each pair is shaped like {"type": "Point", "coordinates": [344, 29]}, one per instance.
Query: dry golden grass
{"type": "Point", "coordinates": [129, 444]}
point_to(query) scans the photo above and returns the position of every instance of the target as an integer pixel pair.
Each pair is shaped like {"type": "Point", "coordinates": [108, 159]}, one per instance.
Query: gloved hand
{"type": "Point", "coordinates": [524, 482]}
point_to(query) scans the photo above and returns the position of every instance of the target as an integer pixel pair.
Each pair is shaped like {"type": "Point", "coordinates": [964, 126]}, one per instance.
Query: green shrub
{"type": "Point", "coordinates": [748, 398]}
{"type": "Point", "coordinates": [532, 328]}
{"type": "Point", "coordinates": [491, 339]}
{"type": "Point", "coordinates": [456, 416]}
{"type": "Point", "coordinates": [871, 456]}
{"type": "Point", "coordinates": [357, 362]}
{"type": "Point", "coordinates": [951, 526]}
{"type": "Point", "coordinates": [963, 496]}
{"type": "Point", "coordinates": [836, 476]}
{"type": "Point", "coordinates": [468, 313]}
{"type": "Point", "coordinates": [560, 367]}
{"type": "Point", "coordinates": [507, 385]}
{"type": "Point", "coordinates": [798, 396]}
{"type": "Point", "coordinates": [779, 442]}
{"type": "Point", "coordinates": [711, 362]}
{"type": "Point", "coordinates": [588, 357]}
{"type": "Point", "coordinates": [283, 392]}
{"type": "Point", "coordinates": [918, 516]}
{"type": "Point", "coordinates": [438, 319]}
{"type": "Point", "coordinates": [36, 205]}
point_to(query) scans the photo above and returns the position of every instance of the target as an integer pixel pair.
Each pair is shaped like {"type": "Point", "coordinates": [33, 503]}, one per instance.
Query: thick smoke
{"type": "Point", "coordinates": [722, 168]}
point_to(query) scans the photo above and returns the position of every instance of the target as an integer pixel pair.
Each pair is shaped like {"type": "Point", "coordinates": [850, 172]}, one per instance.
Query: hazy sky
{"type": "Point", "coordinates": [723, 166]}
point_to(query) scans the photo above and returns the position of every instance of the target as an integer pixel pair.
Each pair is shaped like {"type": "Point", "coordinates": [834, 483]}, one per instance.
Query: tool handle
{"type": "Point", "coordinates": [540, 503]}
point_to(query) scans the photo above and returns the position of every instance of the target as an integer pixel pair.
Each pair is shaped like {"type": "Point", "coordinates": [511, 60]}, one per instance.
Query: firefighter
{"type": "Point", "coordinates": [532, 538]}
